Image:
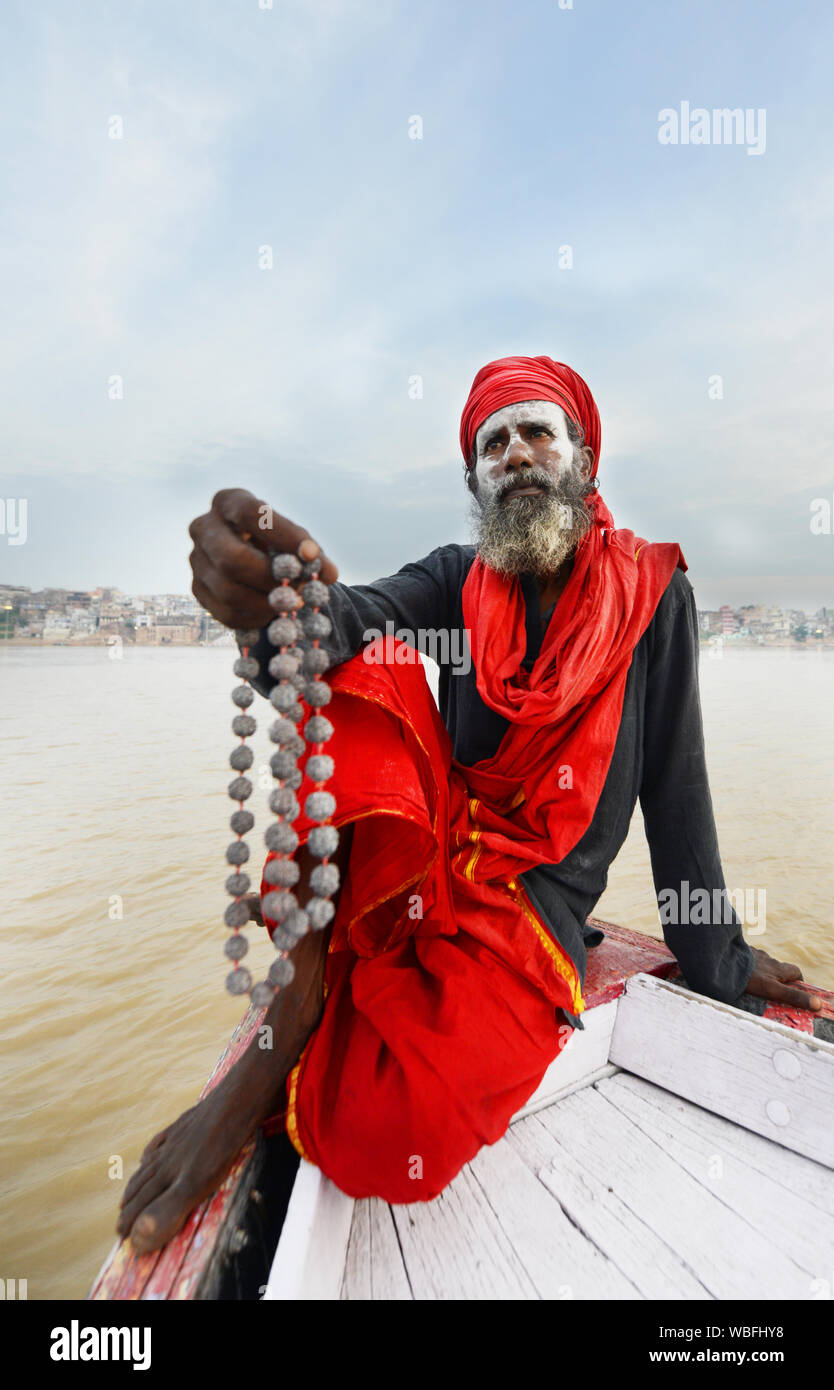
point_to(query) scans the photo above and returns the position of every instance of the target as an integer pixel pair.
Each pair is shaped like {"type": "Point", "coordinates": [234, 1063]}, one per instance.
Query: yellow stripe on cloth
{"type": "Point", "coordinates": [561, 959]}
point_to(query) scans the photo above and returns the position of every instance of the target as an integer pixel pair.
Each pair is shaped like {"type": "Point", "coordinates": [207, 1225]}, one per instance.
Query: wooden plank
{"type": "Point", "coordinates": [788, 1221]}
{"type": "Point", "coordinates": [374, 1267]}
{"type": "Point", "coordinates": [210, 1232]}
{"type": "Point", "coordinates": [583, 1059]}
{"type": "Point", "coordinates": [105, 1269]}
{"type": "Point", "coordinates": [729, 1257]}
{"type": "Point", "coordinates": [622, 954]}
{"type": "Point", "coordinates": [755, 1072]}
{"type": "Point", "coordinates": [389, 1278]}
{"type": "Point", "coordinates": [655, 1270]}
{"type": "Point", "coordinates": [124, 1274]}
{"type": "Point", "coordinates": [310, 1259]}
{"type": "Point", "coordinates": [238, 1043]}
{"type": "Point", "coordinates": [560, 1260]}
{"type": "Point", "coordinates": [800, 1019]}
{"type": "Point", "coordinates": [454, 1247]}
{"type": "Point", "coordinates": [797, 1174]}
{"type": "Point", "coordinates": [356, 1280]}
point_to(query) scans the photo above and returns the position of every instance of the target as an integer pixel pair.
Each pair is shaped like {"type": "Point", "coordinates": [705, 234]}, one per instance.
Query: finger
{"type": "Point", "coordinates": [798, 999]}
{"type": "Point", "coordinates": [234, 573]}
{"type": "Point", "coordinates": [161, 1220]}
{"type": "Point", "coordinates": [134, 1219]}
{"type": "Point", "coordinates": [268, 530]}
{"type": "Point", "coordinates": [788, 972]}
{"type": "Point", "coordinates": [769, 988]}
{"type": "Point", "coordinates": [154, 1143]}
{"type": "Point", "coordinates": [231, 604]}
{"type": "Point", "coordinates": [253, 903]}
{"type": "Point", "coordinates": [141, 1178]}
{"type": "Point", "coordinates": [219, 548]}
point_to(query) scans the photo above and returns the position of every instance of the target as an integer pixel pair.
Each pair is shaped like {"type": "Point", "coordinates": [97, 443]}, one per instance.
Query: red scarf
{"type": "Point", "coordinates": [565, 713]}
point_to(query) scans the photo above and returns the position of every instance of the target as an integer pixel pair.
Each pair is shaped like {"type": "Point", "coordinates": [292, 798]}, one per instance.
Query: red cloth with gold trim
{"type": "Point", "coordinates": [441, 990]}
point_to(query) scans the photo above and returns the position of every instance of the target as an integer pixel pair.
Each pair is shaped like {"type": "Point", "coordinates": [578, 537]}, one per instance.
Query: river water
{"type": "Point", "coordinates": [115, 822]}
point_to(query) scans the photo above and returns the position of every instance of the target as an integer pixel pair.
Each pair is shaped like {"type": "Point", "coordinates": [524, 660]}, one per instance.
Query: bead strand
{"type": "Point", "coordinates": [239, 980]}
{"type": "Point", "coordinates": [320, 805]}
{"type": "Point", "coordinates": [296, 672]}
{"type": "Point", "coordinates": [282, 873]}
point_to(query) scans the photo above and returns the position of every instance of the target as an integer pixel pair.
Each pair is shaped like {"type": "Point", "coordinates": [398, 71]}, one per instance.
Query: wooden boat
{"type": "Point", "coordinates": [678, 1148]}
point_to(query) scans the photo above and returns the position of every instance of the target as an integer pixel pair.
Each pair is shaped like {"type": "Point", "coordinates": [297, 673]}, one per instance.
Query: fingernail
{"type": "Point", "coordinates": [308, 549]}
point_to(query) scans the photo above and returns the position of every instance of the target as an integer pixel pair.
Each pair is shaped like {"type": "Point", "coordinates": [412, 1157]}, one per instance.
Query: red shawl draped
{"type": "Point", "coordinates": [565, 713]}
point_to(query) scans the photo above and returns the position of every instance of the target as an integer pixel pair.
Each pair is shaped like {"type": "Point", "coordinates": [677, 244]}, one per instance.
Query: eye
{"type": "Point", "coordinates": [492, 440]}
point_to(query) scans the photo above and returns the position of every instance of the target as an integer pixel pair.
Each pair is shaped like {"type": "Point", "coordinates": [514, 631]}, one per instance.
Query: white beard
{"type": "Point", "coordinates": [533, 535]}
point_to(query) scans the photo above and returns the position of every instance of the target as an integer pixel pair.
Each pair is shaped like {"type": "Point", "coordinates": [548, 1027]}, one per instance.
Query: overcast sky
{"type": "Point", "coordinates": [393, 257]}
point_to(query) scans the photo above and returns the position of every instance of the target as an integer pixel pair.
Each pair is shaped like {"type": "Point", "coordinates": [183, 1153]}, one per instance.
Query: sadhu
{"type": "Point", "coordinates": [475, 837]}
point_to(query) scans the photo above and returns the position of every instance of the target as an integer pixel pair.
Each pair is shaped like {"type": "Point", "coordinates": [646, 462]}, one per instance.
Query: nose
{"type": "Point", "coordinates": [517, 454]}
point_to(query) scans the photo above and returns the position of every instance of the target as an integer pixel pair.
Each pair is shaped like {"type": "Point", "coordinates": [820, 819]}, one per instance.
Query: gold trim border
{"type": "Point", "coordinates": [561, 959]}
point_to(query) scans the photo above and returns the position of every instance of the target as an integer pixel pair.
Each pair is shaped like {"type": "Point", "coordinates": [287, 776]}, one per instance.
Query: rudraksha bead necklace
{"type": "Point", "coordinates": [297, 673]}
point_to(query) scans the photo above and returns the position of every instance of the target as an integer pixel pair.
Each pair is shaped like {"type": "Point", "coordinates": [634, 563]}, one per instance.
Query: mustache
{"type": "Point", "coordinates": [531, 477]}
{"type": "Point", "coordinates": [537, 534]}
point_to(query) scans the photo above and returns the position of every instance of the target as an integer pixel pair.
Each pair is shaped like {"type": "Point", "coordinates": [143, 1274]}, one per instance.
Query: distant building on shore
{"type": "Point", "coordinates": [98, 616]}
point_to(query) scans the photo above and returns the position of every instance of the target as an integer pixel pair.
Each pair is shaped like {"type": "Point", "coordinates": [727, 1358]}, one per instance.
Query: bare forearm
{"type": "Point", "coordinates": [254, 1087]}
{"type": "Point", "coordinates": [258, 1078]}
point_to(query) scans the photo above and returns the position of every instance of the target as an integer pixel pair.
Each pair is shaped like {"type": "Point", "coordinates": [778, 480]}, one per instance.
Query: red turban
{"type": "Point", "coordinates": [512, 379]}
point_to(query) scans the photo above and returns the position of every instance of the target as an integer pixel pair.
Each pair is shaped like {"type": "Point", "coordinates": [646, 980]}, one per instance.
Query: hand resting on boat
{"type": "Point", "coordinates": [771, 979]}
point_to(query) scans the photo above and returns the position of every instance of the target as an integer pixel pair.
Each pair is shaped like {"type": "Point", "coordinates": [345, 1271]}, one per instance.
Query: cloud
{"type": "Point", "coordinates": [138, 258]}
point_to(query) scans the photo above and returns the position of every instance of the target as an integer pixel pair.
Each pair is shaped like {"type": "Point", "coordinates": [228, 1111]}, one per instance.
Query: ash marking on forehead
{"type": "Point", "coordinates": [521, 413]}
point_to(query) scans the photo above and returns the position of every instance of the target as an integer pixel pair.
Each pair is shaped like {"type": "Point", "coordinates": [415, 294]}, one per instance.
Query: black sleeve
{"type": "Point", "coordinates": [701, 928]}
{"type": "Point", "coordinates": [420, 596]}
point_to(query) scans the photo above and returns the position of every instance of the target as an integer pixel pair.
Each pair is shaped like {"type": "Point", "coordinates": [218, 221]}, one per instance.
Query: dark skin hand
{"type": "Point", "coordinates": [230, 564]}
{"type": "Point", "coordinates": [771, 979]}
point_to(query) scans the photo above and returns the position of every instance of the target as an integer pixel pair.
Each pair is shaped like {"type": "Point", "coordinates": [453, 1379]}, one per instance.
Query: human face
{"type": "Point", "coordinates": [526, 435]}
{"type": "Point", "coordinates": [530, 490]}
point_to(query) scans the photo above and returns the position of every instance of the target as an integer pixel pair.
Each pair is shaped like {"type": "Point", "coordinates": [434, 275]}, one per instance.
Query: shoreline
{"type": "Point", "coordinates": [106, 645]}
{"type": "Point", "coordinates": [727, 644]}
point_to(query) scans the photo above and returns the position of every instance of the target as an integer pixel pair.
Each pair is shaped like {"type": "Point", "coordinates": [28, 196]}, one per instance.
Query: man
{"type": "Point", "coordinates": [475, 841]}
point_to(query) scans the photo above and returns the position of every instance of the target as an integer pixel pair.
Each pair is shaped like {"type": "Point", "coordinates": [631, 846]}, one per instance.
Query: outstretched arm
{"type": "Point", "coordinates": [699, 923]}
{"type": "Point", "coordinates": [232, 579]}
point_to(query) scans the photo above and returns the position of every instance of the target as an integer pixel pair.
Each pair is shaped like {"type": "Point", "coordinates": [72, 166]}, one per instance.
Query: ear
{"type": "Point", "coordinates": [471, 480]}
{"type": "Point", "coordinates": [587, 456]}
